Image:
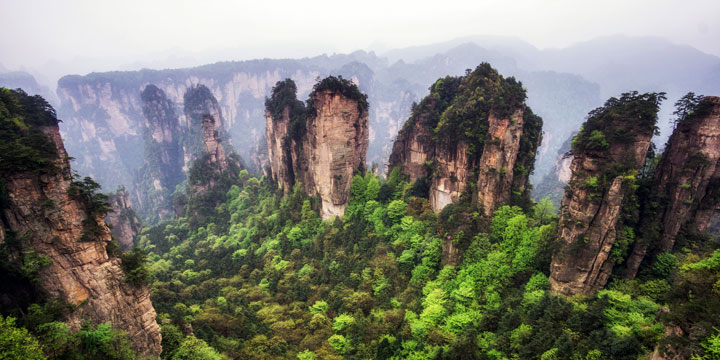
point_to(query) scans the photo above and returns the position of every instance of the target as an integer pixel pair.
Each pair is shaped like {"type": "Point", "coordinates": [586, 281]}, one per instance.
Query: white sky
{"type": "Point", "coordinates": [85, 35]}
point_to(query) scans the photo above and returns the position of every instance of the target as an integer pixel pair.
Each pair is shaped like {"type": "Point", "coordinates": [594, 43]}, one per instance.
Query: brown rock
{"type": "Point", "coordinates": [81, 272]}
{"type": "Point", "coordinates": [332, 148]}
{"type": "Point", "coordinates": [593, 203]}
{"type": "Point", "coordinates": [686, 183]}
{"type": "Point", "coordinates": [125, 223]}
{"type": "Point", "coordinates": [498, 161]}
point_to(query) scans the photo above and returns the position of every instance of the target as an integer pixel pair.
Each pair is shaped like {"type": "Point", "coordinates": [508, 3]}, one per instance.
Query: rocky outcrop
{"type": "Point", "coordinates": [321, 146]}
{"type": "Point", "coordinates": [608, 153]}
{"type": "Point", "coordinates": [211, 140]}
{"type": "Point", "coordinates": [57, 219]}
{"type": "Point", "coordinates": [553, 183]}
{"type": "Point", "coordinates": [498, 161]}
{"type": "Point", "coordinates": [279, 146]}
{"type": "Point", "coordinates": [686, 186]}
{"type": "Point", "coordinates": [163, 165]}
{"type": "Point", "coordinates": [471, 131]}
{"type": "Point", "coordinates": [334, 148]}
{"type": "Point", "coordinates": [124, 223]}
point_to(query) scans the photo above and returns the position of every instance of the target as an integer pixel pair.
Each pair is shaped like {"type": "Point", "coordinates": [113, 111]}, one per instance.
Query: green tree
{"type": "Point", "coordinates": [17, 342]}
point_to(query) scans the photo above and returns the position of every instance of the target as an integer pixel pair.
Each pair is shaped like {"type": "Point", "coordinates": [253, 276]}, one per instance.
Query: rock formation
{"type": "Point", "coordinates": [52, 217]}
{"type": "Point", "coordinates": [321, 146]}
{"type": "Point", "coordinates": [471, 131]}
{"type": "Point", "coordinates": [164, 159]}
{"type": "Point", "coordinates": [608, 153]}
{"type": "Point", "coordinates": [211, 140]}
{"type": "Point", "coordinates": [686, 186]}
{"type": "Point", "coordinates": [553, 183]}
{"type": "Point", "coordinates": [124, 223]}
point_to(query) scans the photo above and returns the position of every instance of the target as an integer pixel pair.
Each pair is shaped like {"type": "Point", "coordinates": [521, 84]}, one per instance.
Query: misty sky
{"type": "Point", "coordinates": [79, 36]}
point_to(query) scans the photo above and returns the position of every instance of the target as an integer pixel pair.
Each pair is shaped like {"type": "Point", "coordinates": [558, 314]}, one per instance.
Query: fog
{"type": "Point", "coordinates": [52, 38]}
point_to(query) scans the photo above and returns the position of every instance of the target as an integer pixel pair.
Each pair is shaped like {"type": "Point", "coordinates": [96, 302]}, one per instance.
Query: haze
{"type": "Point", "coordinates": [53, 38]}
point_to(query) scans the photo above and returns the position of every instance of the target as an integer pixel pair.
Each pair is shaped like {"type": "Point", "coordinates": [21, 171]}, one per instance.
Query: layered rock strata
{"type": "Point", "coordinates": [321, 146]}
{"type": "Point", "coordinates": [125, 224]}
{"type": "Point", "coordinates": [686, 186]}
{"type": "Point", "coordinates": [50, 217]}
{"type": "Point", "coordinates": [608, 153]}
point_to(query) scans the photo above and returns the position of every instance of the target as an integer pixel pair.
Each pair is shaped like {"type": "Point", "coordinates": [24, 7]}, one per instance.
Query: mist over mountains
{"type": "Point", "coordinates": [563, 86]}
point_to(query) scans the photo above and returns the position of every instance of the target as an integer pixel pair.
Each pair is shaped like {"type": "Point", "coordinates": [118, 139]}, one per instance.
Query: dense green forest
{"type": "Point", "coordinates": [268, 279]}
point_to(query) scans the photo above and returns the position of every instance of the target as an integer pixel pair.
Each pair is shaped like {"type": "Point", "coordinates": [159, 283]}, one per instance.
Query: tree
{"type": "Point", "coordinates": [195, 349]}
{"type": "Point", "coordinates": [17, 342]}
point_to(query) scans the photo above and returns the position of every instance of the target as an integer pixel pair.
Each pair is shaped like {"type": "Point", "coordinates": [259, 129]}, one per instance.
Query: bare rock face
{"type": "Point", "coordinates": [162, 169]}
{"type": "Point", "coordinates": [279, 154]}
{"type": "Point", "coordinates": [451, 175]}
{"type": "Point", "coordinates": [125, 223]}
{"type": "Point", "coordinates": [212, 142]}
{"type": "Point", "coordinates": [466, 133]}
{"type": "Point", "coordinates": [498, 160]}
{"type": "Point", "coordinates": [686, 184]}
{"type": "Point", "coordinates": [334, 147]}
{"type": "Point", "coordinates": [413, 148]}
{"type": "Point", "coordinates": [603, 171]}
{"type": "Point", "coordinates": [322, 146]}
{"type": "Point", "coordinates": [41, 211]}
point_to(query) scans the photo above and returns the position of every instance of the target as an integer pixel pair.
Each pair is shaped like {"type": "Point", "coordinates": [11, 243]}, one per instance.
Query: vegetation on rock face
{"type": "Point", "coordinates": [345, 87]}
{"type": "Point", "coordinates": [23, 147]}
{"type": "Point", "coordinates": [458, 108]}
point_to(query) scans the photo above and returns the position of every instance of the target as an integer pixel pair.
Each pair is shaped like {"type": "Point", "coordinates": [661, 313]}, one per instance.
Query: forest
{"type": "Point", "coordinates": [250, 272]}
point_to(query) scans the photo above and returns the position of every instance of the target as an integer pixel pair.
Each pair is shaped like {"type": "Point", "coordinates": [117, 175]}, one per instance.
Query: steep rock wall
{"type": "Point", "coordinates": [686, 182]}
{"type": "Point", "coordinates": [163, 162]}
{"type": "Point", "coordinates": [321, 146]}
{"type": "Point", "coordinates": [48, 217]}
{"type": "Point", "coordinates": [498, 161]}
{"type": "Point", "coordinates": [608, 153]}
{"type": "Point", "coordinates": [471, 130]}
{"type": "Point", "coordinates": [123, 220]}
{"type": "Point", "coordinates": [334, 147]}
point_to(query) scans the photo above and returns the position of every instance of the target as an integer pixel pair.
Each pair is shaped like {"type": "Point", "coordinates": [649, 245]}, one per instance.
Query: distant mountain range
{"type": "Point", "coordinates": [563, 86]}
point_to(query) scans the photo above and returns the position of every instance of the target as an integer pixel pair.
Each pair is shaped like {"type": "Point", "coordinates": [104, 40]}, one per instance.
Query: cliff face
{"type": "Point", "coordinates": [163, 155]}
{"type": "Point", "coordinates": [334, 148]}
{"type": "Point", "coordinates": [498, 160]}
{"type": "Point", "coordinates": [212, 140]}
{"type": "Point", "coordinates": [471, 130]}
{"type": "Point", "coordinates": [686, 182]}
{"type": "Point", "coordinates": [608, 153]}
{"type": "Point", "coordinates": [414, 148]}
{"type": "Point", "coordinates": [123, 220]}
{"type": "Point", "coordinates": [321, 146]}
{"type": "Point", "coordinates": [279, 146]}
{"type": "Point", "coordinates": [50, 216]}
{"type": "Point", "coordinates": [451, 175]}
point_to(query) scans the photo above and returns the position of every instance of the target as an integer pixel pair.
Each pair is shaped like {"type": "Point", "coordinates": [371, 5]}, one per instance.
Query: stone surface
{"type": "Point", "coordinates": [588, 217]}
{"type": "Point", "coordinates": [498, 161]}
{"type": "Point", "coordinates": [125, 223]}
{"type": "Point", "coordinates": [81, 272]}
{"type": "Point", "coordinates": [687, 179]}
{"type": "Point", "coordinates": [331, 150]}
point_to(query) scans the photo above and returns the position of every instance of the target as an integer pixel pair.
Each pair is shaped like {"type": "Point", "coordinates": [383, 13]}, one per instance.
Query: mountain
{"type": "Point", "coordinates": [319, 147]}
{"type": "Point", "coordinates": [59, 262]}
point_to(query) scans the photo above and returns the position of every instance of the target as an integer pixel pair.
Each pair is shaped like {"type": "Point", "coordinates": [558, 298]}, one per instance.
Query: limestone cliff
{"type": "Point", "coordinates": [553, 183]}
{"type": "Point", "coordinates": [686, 185]}
{"type": "Point", "coordinates": [608, 153]}
{"type": "Point", "coordinates": [47, 215]}
{"type": "Point", "coordinates": [125, 224]}
{"type": "Point", "coordinates": [164, 158]}
{"type": "Point", "coordinates": [473, 132]}
{"type": "Point", "coordinates": [211, 174]}
{"type": "Point", "coordinates": [321, 146]}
